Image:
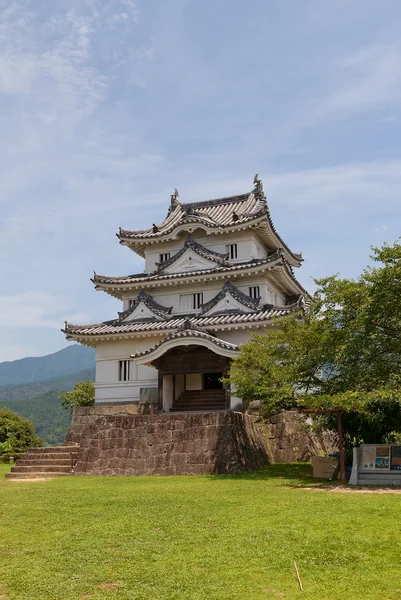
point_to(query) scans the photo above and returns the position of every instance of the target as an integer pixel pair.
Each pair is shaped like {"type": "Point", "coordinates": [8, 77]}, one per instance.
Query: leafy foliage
{"type": "Point", "coordinates": [83, 394]}
{"type": "Point", "coordinates": [16, 433]}
{"type": "Point", "coordinates": [343, 353]}
{"type": "Point", "coordinates": [50, 419]}
{"type": "Point", "coordinates": [40, 403]}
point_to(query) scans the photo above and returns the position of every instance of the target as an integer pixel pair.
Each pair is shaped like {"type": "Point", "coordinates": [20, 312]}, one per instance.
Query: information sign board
{"type": "Point", "coordinates": [377, 458]}
{"type": "Point", "coordinates": [395, 464]}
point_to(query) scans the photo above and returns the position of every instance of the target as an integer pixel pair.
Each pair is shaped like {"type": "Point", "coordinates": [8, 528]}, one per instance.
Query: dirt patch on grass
{"type": "Point", "coordinates": [31, 479]}
{"type": "Point", "coordinates": [354, 490]}
{"type": "Point", "coordinates": [109, 586]}
{"type": "Point", "coordinates": [3, 595]}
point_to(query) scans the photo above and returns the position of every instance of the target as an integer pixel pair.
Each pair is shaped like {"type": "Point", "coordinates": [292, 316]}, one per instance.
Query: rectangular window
{"type": "Point", "coordinates": [191, 301]}
{"type": "Point", "coordinates": [198, 300]}
{"type": "Point", "coordinates": [254, 292]}
{"type": "Point", "coordinates": [164, 256]}
{"type": "Point", "coordinates": [232, 251]}
{"type": "Point", "coordinates": [123, 370]}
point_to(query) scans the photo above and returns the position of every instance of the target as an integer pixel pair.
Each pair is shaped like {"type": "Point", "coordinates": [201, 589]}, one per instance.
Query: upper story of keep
{"type": "Point", "coordinates": [201, 248]}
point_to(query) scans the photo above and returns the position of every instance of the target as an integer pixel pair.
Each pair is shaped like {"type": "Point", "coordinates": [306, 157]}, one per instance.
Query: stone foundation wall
{"type": "Point", "coordinates": [287, 437]}
{"type": "Point", "coordinates": [290, 438]}
{"type": "Point", "coordinates": [169, 444]}
{"type": "Point", "coordinates": [86, 415]}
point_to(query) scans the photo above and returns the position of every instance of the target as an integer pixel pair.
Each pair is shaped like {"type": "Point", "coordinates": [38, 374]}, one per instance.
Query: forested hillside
{"type": "Point", "coordinates": [25, 391]}
{"type": "Point", "coordinates": [50, 419]}
{"type": "Point", "coordinates": [33, 387]}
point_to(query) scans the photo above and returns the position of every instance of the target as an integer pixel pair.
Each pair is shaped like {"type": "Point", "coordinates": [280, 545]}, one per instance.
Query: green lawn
{"type": "Point", "coordinates": [155, 538]}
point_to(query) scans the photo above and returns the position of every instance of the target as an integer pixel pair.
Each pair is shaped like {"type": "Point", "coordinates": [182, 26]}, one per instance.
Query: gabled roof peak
{"type": "Point", "coordinates": [229, 288]}
{"type": "Point", "coordinates": [156, 308]}
{"type": "Point", "coordinates": [190, 243]}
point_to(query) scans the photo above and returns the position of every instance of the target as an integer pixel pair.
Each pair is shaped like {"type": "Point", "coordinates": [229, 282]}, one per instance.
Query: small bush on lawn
{"type": "Point", "coordinates": [16, 434]}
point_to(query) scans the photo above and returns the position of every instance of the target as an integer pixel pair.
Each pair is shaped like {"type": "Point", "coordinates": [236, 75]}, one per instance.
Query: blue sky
{"type": "Point", "coordinates": [105, 107]}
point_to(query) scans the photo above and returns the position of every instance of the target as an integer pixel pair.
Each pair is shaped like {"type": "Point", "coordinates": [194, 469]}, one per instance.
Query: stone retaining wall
{"type": "Point", "coordinates": [287, 436]}
{"type": "Point", "coordinates": [169, 444]}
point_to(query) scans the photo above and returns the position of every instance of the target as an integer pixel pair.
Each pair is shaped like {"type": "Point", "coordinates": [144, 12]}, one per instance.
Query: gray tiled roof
{"type": "Point", "coordinates": [217, 257]}
{"type": "Point", "coordinates": [231, 213]}
{"type": "Point", "coordinates": [214, 213]}
{"type": "Point", "coordinates": [110, 328]}
{"type": "Point", "coordinates": [189, 332]}
{"type": "Point", "coordinates": [275, 257]}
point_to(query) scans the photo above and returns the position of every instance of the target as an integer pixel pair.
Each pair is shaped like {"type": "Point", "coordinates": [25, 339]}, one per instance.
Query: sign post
{"type": "Point", "coordinates": [341, 445]}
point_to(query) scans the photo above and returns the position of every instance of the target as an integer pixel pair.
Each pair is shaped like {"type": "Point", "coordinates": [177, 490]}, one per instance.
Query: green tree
{"type": "Point", "coordinates": [343, 351]}
{"type": "Point", "coordinates": [16, 434]}
{"type": "Point", "coordinates": [83, 394]}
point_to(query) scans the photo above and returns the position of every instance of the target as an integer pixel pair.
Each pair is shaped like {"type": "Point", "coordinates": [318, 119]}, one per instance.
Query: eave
{"type": "Point", "coordinates": [91, 335]}
{"type": "Point", "coordinates": [261, 223]}
{"type": "Point", "coordinates": [187, 337]}
{"type": "Point", "coordinates": [119, 286]}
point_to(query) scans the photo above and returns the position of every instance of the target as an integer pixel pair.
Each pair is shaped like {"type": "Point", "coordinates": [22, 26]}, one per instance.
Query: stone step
{"type": "Point", "coordinates": [36, 475]}
{"type": "Point", "coordinates": [203, 394]}
{"type": "Point", "coordinates": [49, 456]}
{"type": "Point", "coordinates": [30, 461]}
{"type": "Point", "coordinates": [199, 401]}
{"type": "Point", "coordinates": [378, 481]}
{"type": "Point", "coordinates": [197, 408]}
{"type": "Point", "coordinates": [193, 404]}
{"type": "Point", "coordinates": [200, 398]}
{"type": "Point", "coordinates": [40, 468]}
{"type": "Point", "coordinates": [52, 449]}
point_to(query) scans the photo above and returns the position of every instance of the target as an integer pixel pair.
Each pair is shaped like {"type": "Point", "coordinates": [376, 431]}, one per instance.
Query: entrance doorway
{"type": "Point", "coordinates": [211, 381]}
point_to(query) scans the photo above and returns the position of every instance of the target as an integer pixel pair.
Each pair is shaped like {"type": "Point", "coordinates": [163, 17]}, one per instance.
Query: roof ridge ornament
{"type": "Point", "coordinates": [174, 200]}
{"type": "Point", "coordinates": [189, 325]}
{"type": "Point", "coordinates": [258, 189]}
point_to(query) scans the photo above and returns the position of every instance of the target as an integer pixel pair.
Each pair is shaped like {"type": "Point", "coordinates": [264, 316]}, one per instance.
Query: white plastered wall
{"type": "Point", "coordinates": [170, 296]}
{"type": "Point", "coordinates": [248, 246]}
{"type": "Point", "coordinates": [108, 388]}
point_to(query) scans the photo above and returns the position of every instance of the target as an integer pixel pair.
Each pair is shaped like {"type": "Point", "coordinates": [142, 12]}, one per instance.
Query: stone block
{"type": "Point", "coordinates": [168, 444]}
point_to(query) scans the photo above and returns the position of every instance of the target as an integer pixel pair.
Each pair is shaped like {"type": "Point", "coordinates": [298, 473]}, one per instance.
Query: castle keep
{"type": "Point", "coordinates": [216, 271]}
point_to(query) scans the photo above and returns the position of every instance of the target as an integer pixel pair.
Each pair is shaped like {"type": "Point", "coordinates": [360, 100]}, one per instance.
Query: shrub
{"type": "Point", "coordinates": [16, 434]}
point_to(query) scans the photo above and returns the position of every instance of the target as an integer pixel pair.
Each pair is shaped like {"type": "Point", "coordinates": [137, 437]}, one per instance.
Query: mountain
{"type": "Point", "coordinates": [32, 387]}
{"type": "Point", "coordinates": [51, 420]}
{"type": "Point", "coordinates": [31, 370]}
{"type": "Point", "coordinates": [26, 391]}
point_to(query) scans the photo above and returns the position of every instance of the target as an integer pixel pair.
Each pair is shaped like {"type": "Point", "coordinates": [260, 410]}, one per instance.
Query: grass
{"type": "Point", "coordinates": [196, 538]}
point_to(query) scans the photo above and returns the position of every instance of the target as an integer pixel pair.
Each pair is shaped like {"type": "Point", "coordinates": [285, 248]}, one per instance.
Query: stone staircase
{"type": "Point", "coordinates": [200, 400]}
{"type": "Point", "coordinates": [51, 461]}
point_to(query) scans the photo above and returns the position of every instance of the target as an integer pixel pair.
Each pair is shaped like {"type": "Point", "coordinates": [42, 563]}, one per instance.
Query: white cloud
{"type": "Point", "coordinates": [369, 184]}
{"type": "Point", "coordinates": [35, 309]}
{"type": "Point", "coordinates": [370, 78]}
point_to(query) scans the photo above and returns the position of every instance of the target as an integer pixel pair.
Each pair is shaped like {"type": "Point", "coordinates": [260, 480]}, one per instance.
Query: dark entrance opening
{"type": "Point", "coordinates": [211, 381]}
